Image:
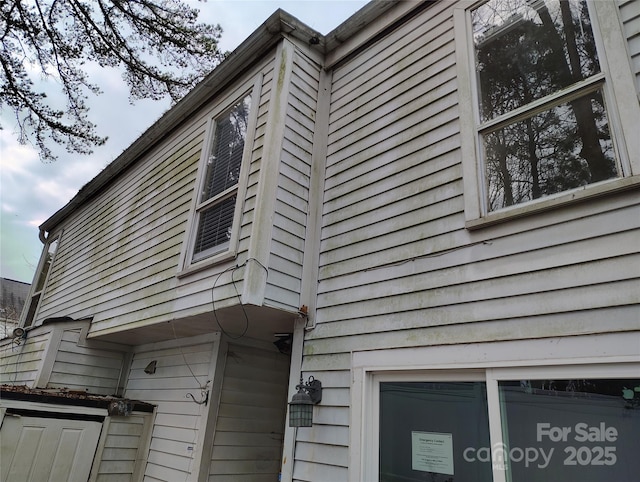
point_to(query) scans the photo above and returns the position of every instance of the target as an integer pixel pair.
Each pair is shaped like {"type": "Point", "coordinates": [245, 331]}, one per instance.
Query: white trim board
{"type": "Point", "coordinates": [614, 354]}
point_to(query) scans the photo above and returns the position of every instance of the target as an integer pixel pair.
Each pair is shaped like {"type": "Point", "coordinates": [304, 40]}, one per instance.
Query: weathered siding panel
{"type": "Point", "coordinates": [292, 196]}
{"type": "Point", "coordinates": [380, 132]}
{"type": "Point", "coordinates": [79, 367]}
{"type": "Point", "coordinates": [392, 176]}
{"type": "Point", "coordinates": [398, 268]}
{"type": "Point", "coordinates": [123, 450]}
{"type": "Point", "coordinates": [630, 16]}
{"type": "Point", "coordinates": [124, 246]}
{"type": "Point", "coordinates": [19, 364]}
{"type": "Point", "coordinates": [250, 425]}
{"type": "Point", "coordinates": [179, 371]}
{"type": "Point", "coordinates": [394, 240]}
{"type": "Point", "coordinates": [118, 259]}
{"type": "Point", "coordinates": [578, 264]}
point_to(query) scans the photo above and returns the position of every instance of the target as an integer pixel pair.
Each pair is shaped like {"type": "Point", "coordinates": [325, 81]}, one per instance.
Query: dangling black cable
{"type": "Point", "coordinates": [235, 287]}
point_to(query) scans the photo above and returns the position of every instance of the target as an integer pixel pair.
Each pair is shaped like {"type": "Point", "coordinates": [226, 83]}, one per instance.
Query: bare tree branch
{"type": "Point", "coordinates": [159, 46]}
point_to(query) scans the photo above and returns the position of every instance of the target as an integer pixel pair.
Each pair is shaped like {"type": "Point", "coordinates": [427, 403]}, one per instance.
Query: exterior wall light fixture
{"type": "Point", "coordinates": [150, 369]}
{"type": "Point", "coordinates": [301, 404]}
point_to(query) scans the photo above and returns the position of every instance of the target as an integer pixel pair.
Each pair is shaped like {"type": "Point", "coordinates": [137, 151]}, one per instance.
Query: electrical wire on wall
{"type": "Point", "coordinates": [392, 264]}
{"type": "Point", "coordinates": [18, 342]}
{"type": "Point", "coordinates": [204, 388]}
{"type": "Point", "coordinates": [233, 269]}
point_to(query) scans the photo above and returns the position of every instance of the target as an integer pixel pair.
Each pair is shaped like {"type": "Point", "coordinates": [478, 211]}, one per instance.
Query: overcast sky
{"type": "Point", "coordinates": [31, 191]}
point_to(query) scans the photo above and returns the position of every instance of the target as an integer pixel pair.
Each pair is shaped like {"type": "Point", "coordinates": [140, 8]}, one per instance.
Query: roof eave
{"type": "Point", "coordinates": [280, 23]}
{"type": "Point", "coordinates": [351, 35]}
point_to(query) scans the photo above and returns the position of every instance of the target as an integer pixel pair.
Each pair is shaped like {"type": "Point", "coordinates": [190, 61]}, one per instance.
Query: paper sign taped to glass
{"type": "Point", "coordinates": [432, 452]}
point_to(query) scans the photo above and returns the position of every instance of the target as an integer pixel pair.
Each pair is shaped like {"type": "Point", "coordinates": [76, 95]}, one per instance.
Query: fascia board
{"type": "Point", "coordinates": [239, 61]}
{"type": "Point", "coordinates": [362, 28]}
{"type": "Point", "coordinates": [367, 26]}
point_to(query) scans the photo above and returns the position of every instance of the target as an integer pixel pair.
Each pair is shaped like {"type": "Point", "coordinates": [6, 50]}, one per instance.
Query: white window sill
{"type": "Point", "coordinates": [206, 263]}
{"type": "Point", "coordinates": [557, 200]}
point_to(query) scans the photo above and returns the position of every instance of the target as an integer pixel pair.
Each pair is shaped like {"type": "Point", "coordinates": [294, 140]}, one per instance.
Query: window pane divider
{"type": "Point", "coordinates": [495, 428]}
{"type": "Point", "coordinates": [568, 94]}
{"type": "Point", "coordinates": [218, 198]}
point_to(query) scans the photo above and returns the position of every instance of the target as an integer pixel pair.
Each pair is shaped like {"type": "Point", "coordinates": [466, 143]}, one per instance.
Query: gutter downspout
{"type": "Point", "coordinates": [310, 268]}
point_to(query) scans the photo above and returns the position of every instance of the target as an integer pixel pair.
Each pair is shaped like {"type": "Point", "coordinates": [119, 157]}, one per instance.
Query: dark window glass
{"type": "Point", "coordinates": [547, 153]}
{"type": "Point", "coordinates": [433, 432]}
{"type": "Point", "coordinates": [573, 430]}
{"type": "Point", "coordinates": [526, 50]}
{"type": "Point", "coordinates": [537, 69]}
{"type": "Point", "coordinates": [225, 158]}
{"type": "Point", "coordinates": [221, 178]}
{"type": "Point", "coordinates": [214, 230]}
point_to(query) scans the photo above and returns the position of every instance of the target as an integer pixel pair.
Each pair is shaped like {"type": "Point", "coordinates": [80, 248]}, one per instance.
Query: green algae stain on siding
{"type": "Point", "coordinates": [151, 219]}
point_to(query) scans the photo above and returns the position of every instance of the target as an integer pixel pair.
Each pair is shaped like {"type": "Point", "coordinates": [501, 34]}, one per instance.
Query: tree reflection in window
{"type": "Point", "coordinates": [544, 126]}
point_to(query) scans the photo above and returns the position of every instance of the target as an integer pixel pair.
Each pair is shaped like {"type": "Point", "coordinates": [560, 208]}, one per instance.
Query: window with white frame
{"type": "Point", "coordinates": [509, 424]}
{"type": "Point", "coordinates": [546, 117]}
{"type": "Point", "coordinates": [421, 421]}
{"type": "Point", "coordinates": [44, 268]}
{"type": "Point", "coordinates": [213, 227]}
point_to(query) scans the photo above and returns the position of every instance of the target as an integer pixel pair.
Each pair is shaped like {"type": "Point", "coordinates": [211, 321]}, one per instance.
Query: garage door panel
{"type": "Point", "coordinates": [24, 442]}
{"type": "Point", "coordinates": [47, 449]}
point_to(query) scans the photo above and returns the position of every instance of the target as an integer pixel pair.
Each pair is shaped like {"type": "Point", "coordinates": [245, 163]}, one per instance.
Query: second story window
{"type": "Point", "coordinates": [220, 183]}
{"type": "Point", "coordinates": [547, 104]}
{"type": "Point", "coordinates": [543, 122]}
{"type": "Point", "coordinates": [220, 174]}
{"type": "Point", "coordinates": [41, 280]}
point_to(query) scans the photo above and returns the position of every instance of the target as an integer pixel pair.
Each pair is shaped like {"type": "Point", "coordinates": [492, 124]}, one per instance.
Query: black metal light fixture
{"type": "Point", "coordinates": [301, 405]}
{"type": "Point", "coordinates": [150, 369]}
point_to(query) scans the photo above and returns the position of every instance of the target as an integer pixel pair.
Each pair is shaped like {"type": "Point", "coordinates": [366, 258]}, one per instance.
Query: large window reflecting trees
{"type": "Point", "coordinates": [543, 122]}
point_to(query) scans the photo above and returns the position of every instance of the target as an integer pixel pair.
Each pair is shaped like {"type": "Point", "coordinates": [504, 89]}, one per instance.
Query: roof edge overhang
{"type": "Point", "coordinates": [346, 40]}
{"type": "Point", "coordinates": [64, 396]}
{"type": "Point", "coordinates": [265, 37]}
{"type": "Point", "coordinates": [371, 23]}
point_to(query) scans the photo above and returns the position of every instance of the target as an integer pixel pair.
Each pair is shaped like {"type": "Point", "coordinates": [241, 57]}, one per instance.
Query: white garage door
{"type": "Point", "coordinates": [34, 449]}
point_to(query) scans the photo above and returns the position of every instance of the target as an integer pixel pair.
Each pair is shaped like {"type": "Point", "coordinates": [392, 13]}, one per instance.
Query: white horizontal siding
{"type": "Point", "coordinates": [491, 276]}
{"type": "Point", "coordinates": [630, 16]}
{"type": "Point", "coordinates": [122, 249]}
{"type": "Point", "coordinates": [121, 454]}
{"type": "Point", "coordinates": [84, 368]}
{"type": "Point", "coordinates": [398, 268]}
{"type": "Point", "coordinates": [250, 425]}
{"type": "Point", "coordinates": [393, 240]}
{"type": "Point", "coordinates": [590, 321]}
{"type": "Point", "coordinates": [118, 259]}
{"type": "Point", "coordinates": [292, 196]}
{"type": "Point", "coordinates": [20, 364]}
{"type": "Point", "coordinates": [145, 201]}
{"type": "Point", "coordinates": [179, 371]}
